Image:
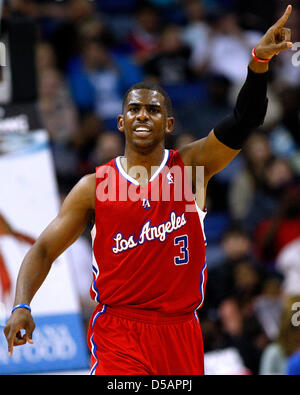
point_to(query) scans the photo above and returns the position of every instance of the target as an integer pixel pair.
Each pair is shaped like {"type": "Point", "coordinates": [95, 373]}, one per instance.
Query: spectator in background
{"type": "Point", "coordinates": [144, 37]}
{"type": "Point", "coordinates": [58, 113]}
{"type": "Point", "coordinates": [236, 248]}
{"type": "Point", "coordinates": [289, 99]}
{"type": "Point", "coordinates": [236, 244]}
{"type": "Point", "coordinates": [277, 176]}
{"type": "Point", "coordinates": [280, 355]}
{"type": "Point", "coordinates": [109, 144]}
{"type": "Point", "coordinates": [229, 48]}
{"type": "Point", "coordinates": [216, 105]}
{"type": "Point", "coordinates": [59, 117]}
{"type": "Point", "coordinates": [242, 332]}
{"type": "Point", "coordinates": [90, 129]}
{"type": "Point", "coordinates": [267, 305]}
{"type": "Point", "coordinates": [98, 80]}
{"type": "Point", "coordinates": [247, 279]}
{"type": "Point", "coordinates": [213, 103]}
{"type": "Point", "coordinates": [94, 82]}
{"type": "Point", "coordinates": [29, 8]}
{"type": "Point", "coordinates": [196, 34]}
{"type": "Point", "coordinates": [96, 29]}
{"type": "Point", "coordinates": [172, 63]}
{"type": "Point", "coordinates": [256, 154]}
{"type": "Point", "coordinates": [281, 226]}
{"type": "Point", "coordinates": [45, 57]}
{"type": "Point", "coordinates": [213, 335]}
{"type": "Point", "coordinates": [66, 36]}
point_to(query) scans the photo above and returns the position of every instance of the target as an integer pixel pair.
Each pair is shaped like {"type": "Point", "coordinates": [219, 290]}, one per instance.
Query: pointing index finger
{"type": "Point", "coordinates": [10, 342]}
{"type": "Point", "coordinates": [282, 21]}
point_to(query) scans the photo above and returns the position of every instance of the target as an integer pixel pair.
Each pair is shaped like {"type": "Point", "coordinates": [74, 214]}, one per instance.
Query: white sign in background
{"type": "Point", "coordinates": [29, 202]}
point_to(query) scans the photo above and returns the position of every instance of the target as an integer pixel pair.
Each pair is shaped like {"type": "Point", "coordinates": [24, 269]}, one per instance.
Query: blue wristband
{"type": "Point", "coordinates": [18, 306]}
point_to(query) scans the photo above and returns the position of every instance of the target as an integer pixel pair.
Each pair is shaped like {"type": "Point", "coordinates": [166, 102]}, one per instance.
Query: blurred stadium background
{"type": "Point", "coordinates": [67, 66]}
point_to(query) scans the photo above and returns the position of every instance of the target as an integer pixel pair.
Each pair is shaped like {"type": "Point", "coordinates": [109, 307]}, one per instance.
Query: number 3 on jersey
{"type": "Point", "coordinates": [182, 241]}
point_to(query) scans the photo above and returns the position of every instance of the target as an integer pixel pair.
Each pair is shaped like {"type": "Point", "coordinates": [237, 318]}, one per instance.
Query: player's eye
{"type": "Point", "coordinates": [133, 109]}
{"type": "Point", "coordinates": [153, 110]}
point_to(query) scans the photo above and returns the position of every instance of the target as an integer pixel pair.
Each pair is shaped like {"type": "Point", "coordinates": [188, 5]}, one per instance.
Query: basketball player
{"type": "Point", "coordinates": [149, 254]}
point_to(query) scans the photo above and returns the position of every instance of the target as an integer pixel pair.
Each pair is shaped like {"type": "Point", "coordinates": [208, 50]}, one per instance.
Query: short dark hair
{"type": "Point", "coordinates": [235, 229]}
{"type": "Point", "coordinates": [152, 87]}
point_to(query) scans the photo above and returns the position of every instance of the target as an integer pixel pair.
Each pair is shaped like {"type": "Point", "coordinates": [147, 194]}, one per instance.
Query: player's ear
{"type": "Point", "coordinates": [170, 125]}
{"type": "Point", "coordinates": [121, 123]}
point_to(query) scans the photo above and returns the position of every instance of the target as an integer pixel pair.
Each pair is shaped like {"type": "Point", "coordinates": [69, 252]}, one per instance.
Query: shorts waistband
{"type": "Point", "coordinates": [148, 316]}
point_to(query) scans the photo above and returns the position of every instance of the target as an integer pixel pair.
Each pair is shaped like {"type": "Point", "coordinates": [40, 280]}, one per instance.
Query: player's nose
{"type": "Point", "coordinates": [143, 115]}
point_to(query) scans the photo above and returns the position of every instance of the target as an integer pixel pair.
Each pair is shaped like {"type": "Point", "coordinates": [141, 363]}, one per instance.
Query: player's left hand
{"type": "Point", "coordinates": [276, 39]}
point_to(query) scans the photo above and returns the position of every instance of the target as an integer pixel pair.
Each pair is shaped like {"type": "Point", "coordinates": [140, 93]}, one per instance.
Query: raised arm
{"type": "Point", "coordinates": [75, 213]}
{"type": "Point", "coordinates": [225, 141]}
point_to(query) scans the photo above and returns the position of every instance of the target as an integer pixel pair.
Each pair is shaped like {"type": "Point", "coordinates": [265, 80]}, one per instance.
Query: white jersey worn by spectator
{"type": "Point", "coordinates": [229, 54]}
{"type": "Point", "coordinates": [287, 263]}
{"type": "Point", "coordinates": [197, 37]}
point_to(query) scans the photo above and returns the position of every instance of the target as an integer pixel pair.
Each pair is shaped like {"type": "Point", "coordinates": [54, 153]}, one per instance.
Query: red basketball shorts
{"type": "Point", "coordinates": [126, 341]}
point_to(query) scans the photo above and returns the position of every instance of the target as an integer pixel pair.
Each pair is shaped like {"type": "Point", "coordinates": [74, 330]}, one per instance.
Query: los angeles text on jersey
{"type": "Point", "coordinates": [149, 233]}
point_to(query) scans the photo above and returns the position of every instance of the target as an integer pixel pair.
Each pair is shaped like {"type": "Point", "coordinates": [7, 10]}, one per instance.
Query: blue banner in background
{"type": "Point", "coordinates": [59, 344]}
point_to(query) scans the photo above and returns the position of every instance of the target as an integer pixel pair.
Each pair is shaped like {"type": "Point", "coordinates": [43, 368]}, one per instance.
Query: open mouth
{"type": "Point", "coordinates": [142, 132]}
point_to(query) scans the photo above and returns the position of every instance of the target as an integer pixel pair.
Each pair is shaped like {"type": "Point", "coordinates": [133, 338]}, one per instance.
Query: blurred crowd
{"type": "Point", "coordinates": [89, 53]}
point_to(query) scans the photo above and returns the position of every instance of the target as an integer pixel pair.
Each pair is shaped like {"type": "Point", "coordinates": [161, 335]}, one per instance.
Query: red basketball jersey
{"type": "Point", "coordinates": [148, 243]}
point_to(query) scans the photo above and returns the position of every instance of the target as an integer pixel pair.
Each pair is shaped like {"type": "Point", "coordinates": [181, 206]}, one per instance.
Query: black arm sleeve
{"type": "Point", "coordinates": [249, 112]}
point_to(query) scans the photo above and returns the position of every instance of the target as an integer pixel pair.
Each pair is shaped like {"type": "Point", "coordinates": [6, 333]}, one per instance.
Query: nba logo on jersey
{"type": "Point", "coordinates": [170, 178]}
{"type": "Point", "coordinates": [146, 204]}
